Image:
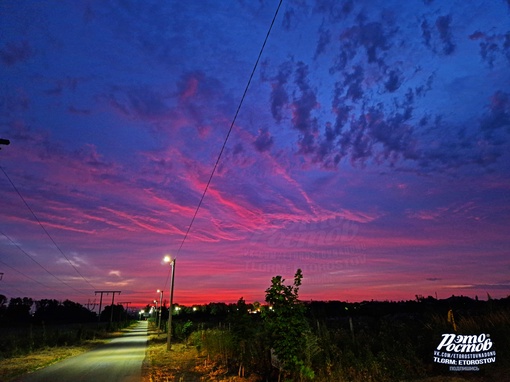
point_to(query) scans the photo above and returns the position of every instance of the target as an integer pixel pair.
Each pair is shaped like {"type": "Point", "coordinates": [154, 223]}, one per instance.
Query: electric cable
{"type": "Point", "coordinates": [24, 275]}
{"type": "Point", "coordinates": [44, 229]}
{"type": "Point", "coordinates": [228, 133]}
{"type": "Point", "coordinates": [35, 261]}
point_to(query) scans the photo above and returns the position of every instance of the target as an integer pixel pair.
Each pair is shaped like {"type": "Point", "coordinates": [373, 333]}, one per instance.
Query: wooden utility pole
{"type": "Point", "coordinates": [101, 301]}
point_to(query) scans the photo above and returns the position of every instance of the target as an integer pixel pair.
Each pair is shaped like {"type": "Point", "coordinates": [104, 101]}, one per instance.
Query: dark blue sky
{"type": "Point", "coordinates": [371, 149]}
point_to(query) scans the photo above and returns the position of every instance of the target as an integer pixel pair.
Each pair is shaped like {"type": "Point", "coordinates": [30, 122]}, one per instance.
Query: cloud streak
{"type": "Point", "coordinates": [371, 149]}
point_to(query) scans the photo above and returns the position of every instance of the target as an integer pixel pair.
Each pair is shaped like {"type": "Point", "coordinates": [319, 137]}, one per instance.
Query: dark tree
{"type": "Point", "coordinates": [47, 310]}
{"type": "Point", "coordinates": [53, 311]}
{"type": "Point", "coordinates": [19, 309]}
{"type": "Point", "coordinates": [287, 326]}
{"type": "Point", "coordinates": [243, 327]}
{"type": "Point", "coordinates": [118, 313]}
{"type": "Point", "coordinates": [3, 306]}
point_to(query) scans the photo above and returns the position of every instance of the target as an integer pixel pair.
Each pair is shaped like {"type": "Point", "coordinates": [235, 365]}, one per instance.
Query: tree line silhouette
{"type": "Point", "coordinates": [19, 311]}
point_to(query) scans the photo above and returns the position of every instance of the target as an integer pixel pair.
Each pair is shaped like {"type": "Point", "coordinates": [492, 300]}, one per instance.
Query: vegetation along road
{"type": "Point", "coordinates": [120, 360]}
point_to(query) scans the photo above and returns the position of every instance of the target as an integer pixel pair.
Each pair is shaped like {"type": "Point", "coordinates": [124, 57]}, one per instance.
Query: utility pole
{"type": "Point", "coordinates": [93, 304]}
{"type": "Point", "coordinates": [3, 142]}
{"type": "Point", "coordinates": [101, 301]}
{"type": "Point", "coordinates": [169, 334]}
{"type": "Point", "coordinates": [160, 291]}
{"type": "Point", "coordinates": [125, 302]}
{"type": "Point", "coordinates": [127, 306]}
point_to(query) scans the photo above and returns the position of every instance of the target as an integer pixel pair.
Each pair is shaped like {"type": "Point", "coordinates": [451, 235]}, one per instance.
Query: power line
{"type": "Point", "coordinates": [24, 275]}
{"type": "Point", "coordinates": [44, 229]}
{"type": "Point", "coordinates": [35, 261]}
{"type": "Point", "coordinates": [231, 127]}
{"type": "Point", "coordinates": [228, 134]}
{"type": "Point", "coordinates": [21, 273]}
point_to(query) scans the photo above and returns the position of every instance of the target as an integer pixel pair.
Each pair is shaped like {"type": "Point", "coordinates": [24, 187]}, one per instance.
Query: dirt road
{"type": "Point", "coordinates": [120, 360]}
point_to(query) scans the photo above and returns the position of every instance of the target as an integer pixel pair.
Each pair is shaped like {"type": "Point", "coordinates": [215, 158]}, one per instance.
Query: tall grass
{"type": "Point", "coordinates": [375, 350]}
{"type": "Point", "coordinates": [397, 347]}
{"type": "Point", "coordinates": [25, 339]}
{"type": "Point", "coordinates": [495, 323]}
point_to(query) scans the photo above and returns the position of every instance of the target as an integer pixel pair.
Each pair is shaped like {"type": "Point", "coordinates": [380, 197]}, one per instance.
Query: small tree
{"type": "Point", "coordinates": [287, 326]}
{"type": "Point", "coordinates": [245, 335]}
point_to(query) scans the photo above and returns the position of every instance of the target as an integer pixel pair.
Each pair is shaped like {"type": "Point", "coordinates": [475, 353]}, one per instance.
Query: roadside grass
{"type": "Point", "coordinates": [204, 356]}
{"type": "Point", "coordinates": [185, 363]}
{"type": "Point", "coordinates": [14, 367]}
{"type": "Point", "coordinates": [182, 363]}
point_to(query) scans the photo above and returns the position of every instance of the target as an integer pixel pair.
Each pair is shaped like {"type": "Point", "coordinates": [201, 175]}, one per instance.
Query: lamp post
{"type": "Point", "coordinates": [168, 259]}
{"type": "Point", "coordinates": [156, 302]}
{"type": "Point", "coordinates": [160, 308]}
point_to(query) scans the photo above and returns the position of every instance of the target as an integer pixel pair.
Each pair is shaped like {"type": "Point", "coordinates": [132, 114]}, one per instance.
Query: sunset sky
{"type": "Point", "coordinates": [371, 149]}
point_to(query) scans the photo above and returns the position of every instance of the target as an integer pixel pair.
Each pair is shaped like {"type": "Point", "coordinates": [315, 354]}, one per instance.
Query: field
{"type": "Point", "coordinates": [372, 341]}
{"type": "Point", "coordinates": [357, 342]}
{"type": "Point", "coordinates": [185, 363]}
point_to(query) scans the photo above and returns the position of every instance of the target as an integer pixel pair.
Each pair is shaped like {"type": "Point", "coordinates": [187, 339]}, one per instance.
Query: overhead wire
{"type": "Point", "coordinates": [44, 229]}
{"type": "Point", "coordinates": [24, 275]}
{"type": "Point", "coordinates": [40, 265]}
{"type": "Point", "coordinates": [228, 133]}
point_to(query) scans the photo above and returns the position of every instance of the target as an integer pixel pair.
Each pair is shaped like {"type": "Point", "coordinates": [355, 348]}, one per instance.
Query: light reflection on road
{"type": "Point", "coordinates": [120, 360]}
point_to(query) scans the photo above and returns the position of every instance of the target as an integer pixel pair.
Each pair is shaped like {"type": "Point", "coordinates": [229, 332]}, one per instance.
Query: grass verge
{"type": "Point", "coordinates": [14, 367]}
{"type": "Point", "coordinates": [182, 363]}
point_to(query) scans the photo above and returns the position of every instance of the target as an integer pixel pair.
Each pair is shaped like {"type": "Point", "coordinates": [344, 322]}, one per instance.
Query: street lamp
{"type": "Point", "coordinates": [168, 259]}
{"type": "Point", "coordinates": [160, 308]}
{"type": "Point", "coordinates": [156, 302]}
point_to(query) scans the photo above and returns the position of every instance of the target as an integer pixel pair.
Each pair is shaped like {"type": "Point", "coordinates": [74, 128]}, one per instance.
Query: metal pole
{"type": "Point", "coordinates": [160, 308]}
{"type": "Point", "coordinates": [111, 315]}
{"type": "Point", "coordinates": [100, 303]}
{"type": "Point", "coordinates": [169, 335]}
